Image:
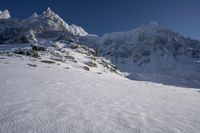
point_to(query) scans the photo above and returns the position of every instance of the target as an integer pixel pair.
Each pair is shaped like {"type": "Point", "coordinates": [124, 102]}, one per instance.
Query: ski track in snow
{"type": "Point", "coordinates": [62, 100]}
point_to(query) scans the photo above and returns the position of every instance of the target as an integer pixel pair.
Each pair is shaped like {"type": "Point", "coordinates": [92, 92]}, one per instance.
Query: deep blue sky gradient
{"type": "Point", "coordinates": [103, 16]}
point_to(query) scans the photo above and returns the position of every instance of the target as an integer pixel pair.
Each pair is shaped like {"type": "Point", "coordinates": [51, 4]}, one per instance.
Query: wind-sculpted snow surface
{"type": "Point", "coordinates": [51, 99]}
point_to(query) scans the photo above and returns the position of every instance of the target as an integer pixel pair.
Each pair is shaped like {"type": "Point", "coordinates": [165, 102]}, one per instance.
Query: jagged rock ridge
{"type": "Point", "coordinates": [48, 25]}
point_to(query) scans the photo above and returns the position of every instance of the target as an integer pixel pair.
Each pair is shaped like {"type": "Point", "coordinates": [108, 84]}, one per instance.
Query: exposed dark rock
{"type": "Point", "coordinates": [69, 57]}
{"type": "Point", "coordinates": [66, 67]}
{"type": "Point", "coordinates": [58, 59]}
{"type": "Point", "coordinates": [91, 64]}
{"type": "Point", "coordinates": [86, 68]}
{"type": "Point", "coordinates": [74, 46]}
{"type": "Point", "coordinates": [32, 65]}
{"type": "Point", "coordinates": [48, 61]}
{"type": "Point", "coordinates": [27, 52]}
{"type": "Point", "coordinates": [38, 48]}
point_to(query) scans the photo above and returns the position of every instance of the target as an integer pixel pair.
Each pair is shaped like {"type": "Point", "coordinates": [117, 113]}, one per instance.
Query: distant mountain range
{"type": "Point", "coordinates": [150, 52]}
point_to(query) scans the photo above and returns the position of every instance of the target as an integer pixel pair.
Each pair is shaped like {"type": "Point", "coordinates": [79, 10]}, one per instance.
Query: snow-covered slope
{"type": "Point", "coordinates": [51, 99]}
{"type": "Point", "coordinates": [153, 50]}
{"type": "Point", "coordinates": [65, 54]}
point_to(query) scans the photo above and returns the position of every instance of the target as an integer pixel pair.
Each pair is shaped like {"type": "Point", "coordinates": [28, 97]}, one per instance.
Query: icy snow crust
{"type": "Point", "coordinates": [49, 98]}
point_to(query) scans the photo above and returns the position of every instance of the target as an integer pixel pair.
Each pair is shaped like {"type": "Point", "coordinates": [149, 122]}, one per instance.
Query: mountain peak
{"type": "Point", "coordinates": [153, 23]}
{"type": "Point", "coordinates": [34, 15]}
{"type": "Point", "coordinates": [52, 21]}
{"type": "Point", "coordinates": [152, 27]}
{"type": "Point", "coordinates": [49, 12]}
{"type": "Point", "coordinates": [4, 14]}
{"type": "Point", "coordinates": [48, 9]}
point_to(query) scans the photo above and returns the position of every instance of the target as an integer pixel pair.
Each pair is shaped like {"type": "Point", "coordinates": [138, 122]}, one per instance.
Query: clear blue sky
{"type": "Point", "coordinates": [103, 16]}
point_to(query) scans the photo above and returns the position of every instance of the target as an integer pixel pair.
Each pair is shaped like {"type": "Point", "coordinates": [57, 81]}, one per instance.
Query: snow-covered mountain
{"type": "Point", "coordinates": [146, 40]}
{"type": "Point", "coordinates": [48, 25]}
{"type": "Point", "coordinates": [50, 21]}
{"type": "Point", "coordinates": [151, 52]}
{"type": "Point", "coordinates": [53, 81]}
{"type": "Point", "coordinates": [49, 39]}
